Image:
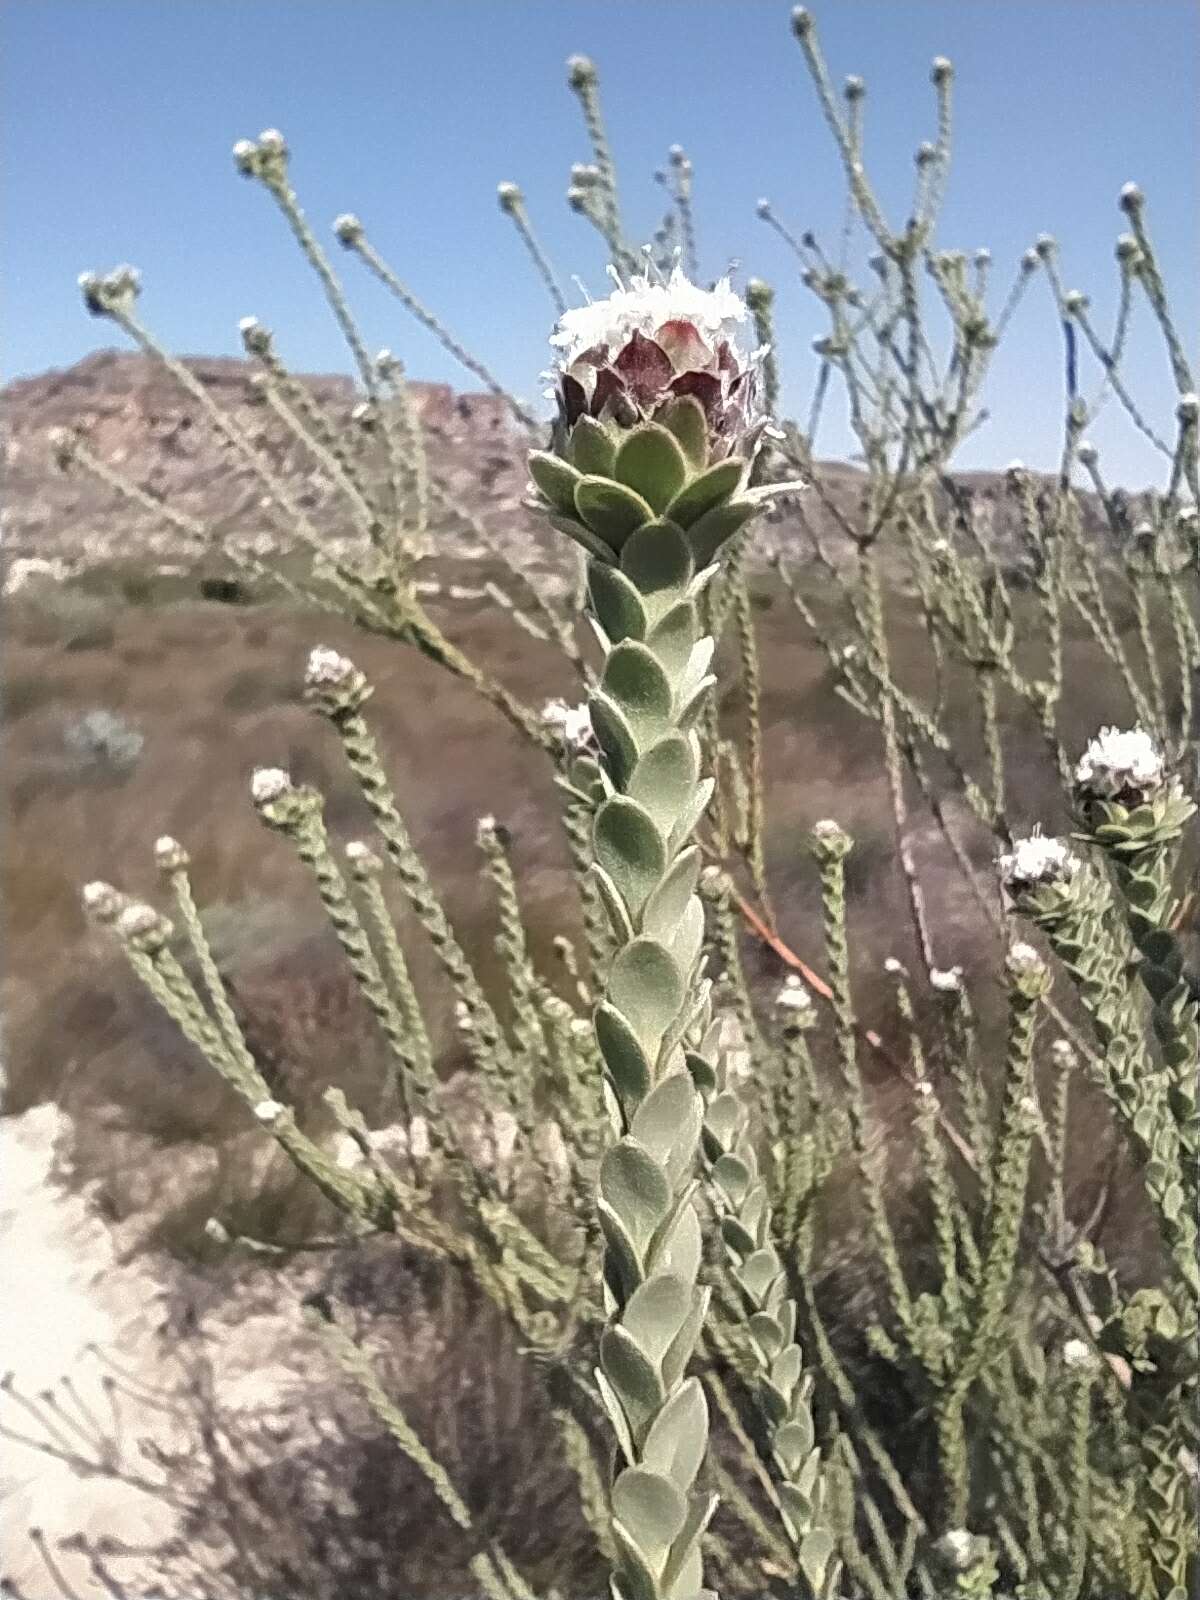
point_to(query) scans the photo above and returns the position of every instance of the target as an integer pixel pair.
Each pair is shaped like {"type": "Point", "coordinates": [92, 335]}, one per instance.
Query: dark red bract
{"type": "Point", "coordinates": [630, 384]}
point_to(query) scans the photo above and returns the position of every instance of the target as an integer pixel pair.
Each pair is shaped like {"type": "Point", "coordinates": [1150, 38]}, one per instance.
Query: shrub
{"type": "Point", "coordinates": [867, 1253]}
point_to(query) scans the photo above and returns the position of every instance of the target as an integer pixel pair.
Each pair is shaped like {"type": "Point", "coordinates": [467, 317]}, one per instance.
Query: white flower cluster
{"type": "Point", "coordinates": [572, 723]}
{"type": "Point", "coordinates": [1037, 860]}
{"type": "Point", "coordinates": [1023, 958]}
{"type": "Point", "coordinates": [947, 980]}
{"type": "Point", "coordinates": [327, 667]}
{"type": "Point", "coordinates": [268, 784]}
{"type": "Point", "coordinates": [1077, 1355]}
{"type": "Point", "coordinates": [643, 307]}
{"type": "Point", "coordinates": [794, 996]}
{"type": "Point", "coordinates": [1118, 761]}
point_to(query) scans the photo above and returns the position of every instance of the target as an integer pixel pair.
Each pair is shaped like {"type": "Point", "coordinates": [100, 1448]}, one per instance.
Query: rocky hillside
{"type": "Point", "coordinates": [140, 423]}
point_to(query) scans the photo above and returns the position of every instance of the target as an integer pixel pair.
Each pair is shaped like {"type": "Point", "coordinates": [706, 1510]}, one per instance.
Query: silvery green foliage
{"type": "Point", "coordinates": [784, 1387]}
{"type": "Point", "coordinates": [1062, 1400]}
{"type": "Point", "coordinates": [649, 477]}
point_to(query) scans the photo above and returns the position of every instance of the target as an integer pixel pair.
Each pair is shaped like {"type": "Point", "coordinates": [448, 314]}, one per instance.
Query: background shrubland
{"type": "Point", "coordinates": [921, 655]}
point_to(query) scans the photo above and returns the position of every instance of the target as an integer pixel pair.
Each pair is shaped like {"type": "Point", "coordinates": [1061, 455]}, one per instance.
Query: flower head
{"type": "Point", "coordinates": [169, 854]}
{"type": "Point", "coordinates": [573, 724]}
{"type": "Point", "coordinates": [1037, 860]}
{"type": "Point", "coordinates": [1120, 765]}
{"type": "Point", "coordinates": [1077, 1355]}
{"type": "Point", "coordinates": [947, 980]}
{"type": "Point", "coordinates": [794, 996]}
{"type": "Point", "coordinates": [268, 784]}
{"type": "Point", "coordinates": [624, 357]}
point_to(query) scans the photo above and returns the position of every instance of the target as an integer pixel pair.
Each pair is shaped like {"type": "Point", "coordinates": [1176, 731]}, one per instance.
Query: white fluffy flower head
{"type": "Point", "coordinates": [1077, 1355]}
{"type": "Point", "coordinates": [947, 980]}
{"type": "Point", "coordinates": [269, 1112]}
{"type": "Point", "coordinates": [643, 307]}
{"type": "Point", "coordinates": [268, 784]}
{"type": "Point", "coordinates": [1036, 860]}
{"type": "Point", "coordinates": [1117, 761]}
{"type": "Point", "coordinates": [794, 995]}
{"type": "Point", "coordinates": [572, 723]}
{"type": "Point", "coordinates": [327, 666]}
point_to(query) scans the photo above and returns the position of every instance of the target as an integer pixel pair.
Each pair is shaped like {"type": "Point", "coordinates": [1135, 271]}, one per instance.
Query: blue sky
{"type": "Point", "coordinates": [118, 117]}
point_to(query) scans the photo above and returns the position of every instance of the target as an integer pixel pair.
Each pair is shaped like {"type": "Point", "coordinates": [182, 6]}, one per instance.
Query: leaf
{"type": "Point", "coordinates": [738, 1238]}
{"type": "Point", "coordinates": [685, 417]}
{"type": "Point", "coordinates": [711, 531]}
{"type": "Point", "coordinates": [673, 638]}
{"type": "Point", "coordinates": [647, 987]}
{"type": "Point", "coordinates": [759, 1272]}
{"type": "Point", "coordinates": [685, 943]}
{"type": "Point", "coordinates": [617, 604]}
{"type": "Point", "coordinates": [678, 1436]}
{"type": "Point", "coordinates": [633, 1577]}
{"type": "Point", "coordinates": [614, 735]}
{"type": "Point", "coordinates": [665, 777]}
{"type": "Point", "coordinates": [623, 1055]}
{"type": "Point", "coordinates": [683, 1346]}
{"type": "Point", "coordinates": [623, 1269]}
{"type": "Point", "coordinates": [614, 903]}
{"type": "Point", "coordinates": [584, 537]}
{"type": "Point", "coordinates": [680, 1246]}
{"type": "Point", "coordinates": [695, 810]}
{"type": "Point", "coordinates": [657, 559]}
{"type": "Point", "coordinates": [630, 849]}
{"type": "Point", "coordinates": [555, 478]}
{"type": "Point", "coordinates": [704, 491]}
{"type": "Point", "coordinates": [637, 1383]}
{"type": "Point", "coordinates": [665, 908]}
{"type": "Point", "coordinates": [651, 461]}
{"type": "Point", "coordinates": [730, 1171]}
{"type": "Point", "coordinates": [667, 1124]}
{"type": "Point", "coordinates": [612, 1405]}
{"type": "Point", "coordinates": [610, 509]}
{"type": "Point", "coordinates": [793, 1443]}
{"type": "Point", "coordinates": [656, 1312]}
{"type": "Point", "coordinates": [650, 1509]}
{"type": "Point", "coordinates": [634, 681]}
{"type": "Point", "coordinates": [683, 1572]}
{"type": "Point", "coordinates": [786, 1369]}
{"type": "Point", "coordinates": [593, 448]}
{"type": "Point", "coordinates": [636, 1188]}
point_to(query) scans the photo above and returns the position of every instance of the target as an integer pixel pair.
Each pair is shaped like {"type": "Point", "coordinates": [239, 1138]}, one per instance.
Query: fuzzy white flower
{"type": "Point", "coordinates": [1077, 1355]}
{"type": "Point", "coordinates": [327, 666]}
{"type": "Point", "coordinates": [269, 1112]}
{"type": "Point", "coordinates": [1117, 761]}
{"type": "Point", "coordinates": [947, 980]}
{"type": "Point", "coordinates": [643, 307]}
{"type": "Point", "coordinates": [1022, 958]}
{"type": "Point", "coordinates": [794, 994]}
{"type": "Point", "coordinates": [572, 723]}
{"type": "Point", "coordinates": [268, 784]}
{"type": "Point", "coordinates": [894, 966]}
{"type": "Point", "coordinates": [959, 1547]}
{"type": "Point", "coordinates": [170, 854]}
{"type": "Point", "coordinates": [137, 920]}
{"type": "Point", "coordinates": [1035, 860]}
